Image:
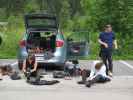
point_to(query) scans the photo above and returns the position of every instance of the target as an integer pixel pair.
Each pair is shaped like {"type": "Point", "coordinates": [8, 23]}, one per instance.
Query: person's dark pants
{"type": "Point", "coordinates": [99, 79]}
{"type": "Point", "coordinates": [34, 74]}
{"type": "Point", "coordinates": [30, 74]}
{"type": "Point", "coordinates": [106, 56]}
{"type": "Point", "coordinates": [85, 73]}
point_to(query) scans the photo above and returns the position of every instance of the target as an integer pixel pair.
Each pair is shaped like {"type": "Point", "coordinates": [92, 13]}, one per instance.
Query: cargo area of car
{"type": "Point", "coordinates": [41, 42]}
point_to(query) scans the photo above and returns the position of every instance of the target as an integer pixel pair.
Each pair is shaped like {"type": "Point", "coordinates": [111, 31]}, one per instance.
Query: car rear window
{"type": "Point", "coordinates": [41, 22]}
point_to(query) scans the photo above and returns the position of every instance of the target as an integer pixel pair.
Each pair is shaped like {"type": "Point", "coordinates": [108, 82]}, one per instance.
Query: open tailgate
{"type": "Point", "coordinates": [40, 22]}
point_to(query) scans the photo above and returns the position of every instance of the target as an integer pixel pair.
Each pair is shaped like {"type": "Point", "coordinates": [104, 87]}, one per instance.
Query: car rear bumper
{"type": "Point", "coordinates": [52, 61]}
{"type": "Point", "coordinates": [57, 59]}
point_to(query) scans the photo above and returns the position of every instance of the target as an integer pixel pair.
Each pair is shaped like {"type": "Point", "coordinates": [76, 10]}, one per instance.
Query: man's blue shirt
{"type": "Point", "coordinates": [107, 38]}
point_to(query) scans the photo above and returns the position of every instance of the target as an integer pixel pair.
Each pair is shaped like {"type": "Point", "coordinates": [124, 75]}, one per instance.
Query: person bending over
{"type": "Point", "coordinates": [96, 75]}
{"type": "Point", "coordinates": [5, 70]}
{"type": "Point", "coordinates": [30, 65]}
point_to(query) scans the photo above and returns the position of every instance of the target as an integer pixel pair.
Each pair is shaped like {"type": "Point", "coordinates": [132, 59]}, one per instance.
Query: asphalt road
{"type": "Point", "coordinates": [121, 86]}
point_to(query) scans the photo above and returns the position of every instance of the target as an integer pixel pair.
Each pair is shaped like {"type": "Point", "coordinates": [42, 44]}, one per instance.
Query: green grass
{"type": "Point", "coordinates": [10, 42]}
{"type": "Point", "coordinates": [9, 49]}
{"type": "Point", "coordinates": [115, 57]}
{"type": "Point", "coordinates": [12, 35]}
{"type": "Point", "coordinates": [124, 52]}
{"type": "Point", "coordinates": [9, 46]}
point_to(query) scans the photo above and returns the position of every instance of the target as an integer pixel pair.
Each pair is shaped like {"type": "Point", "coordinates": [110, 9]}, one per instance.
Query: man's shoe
{"type": "Point", "coordinates": [88, 84]}
{"type": "Point", "coordinates": [81, 82]}
{"type": "Point", "coordinates": [108, 79]}
{"type": "Point", "coordinates": [110, 74]}
{"type": "Point", "coordinates": [1, 77]}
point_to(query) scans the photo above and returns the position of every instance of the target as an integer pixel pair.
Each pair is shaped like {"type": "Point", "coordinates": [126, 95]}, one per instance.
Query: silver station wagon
{"type": "Point", "coordinates": [44, 39]}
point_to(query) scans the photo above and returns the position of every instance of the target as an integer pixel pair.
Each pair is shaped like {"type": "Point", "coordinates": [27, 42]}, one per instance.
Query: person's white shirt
{"type": "Point", "coordinates": [95, 72]}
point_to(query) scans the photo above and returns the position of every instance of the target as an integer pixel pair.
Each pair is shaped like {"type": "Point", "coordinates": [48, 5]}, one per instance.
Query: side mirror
{"type": "Point", "coordinates": [0, 40]}
{"type": "Point", "coordinates": [69, 39]}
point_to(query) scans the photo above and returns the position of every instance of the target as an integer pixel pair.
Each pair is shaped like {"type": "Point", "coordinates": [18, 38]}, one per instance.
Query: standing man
{"type": "Point", "coordinates": [107, 41]}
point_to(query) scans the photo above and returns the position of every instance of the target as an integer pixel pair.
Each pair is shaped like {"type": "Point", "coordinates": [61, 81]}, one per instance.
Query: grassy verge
{"type": "Point", "coordinates": [115, 57]}
{"type": "Point", "coordinates": [11, 37]}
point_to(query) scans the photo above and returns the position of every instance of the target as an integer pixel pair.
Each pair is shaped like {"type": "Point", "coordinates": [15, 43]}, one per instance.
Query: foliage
{"type": "Point", "coordinates": [72, 15]}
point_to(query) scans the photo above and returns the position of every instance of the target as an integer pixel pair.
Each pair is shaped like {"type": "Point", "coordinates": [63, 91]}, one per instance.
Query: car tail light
{"type": "Point", "coordinates": [22, 43]}
{"type": "Point", "coordinates": [59, 43]}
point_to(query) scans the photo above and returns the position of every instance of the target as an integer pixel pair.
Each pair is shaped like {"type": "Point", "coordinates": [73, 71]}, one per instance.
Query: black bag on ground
{"type": "Point", "coordinates": [15, 76]}
{"type": "Point", "coordinates": [44, 82]}
{"type": "Point", "coordinates": [58, 74]}
{"type": "Point", "coordinates": [36, 80]}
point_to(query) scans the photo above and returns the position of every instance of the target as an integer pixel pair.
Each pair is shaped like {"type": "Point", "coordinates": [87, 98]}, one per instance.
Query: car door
{"type": "Point", "coordinates": [77, 47]}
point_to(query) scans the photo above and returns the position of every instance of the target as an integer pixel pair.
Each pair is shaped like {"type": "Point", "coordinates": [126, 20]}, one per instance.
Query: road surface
{"type": "Point", "coordinates": [121, 86]}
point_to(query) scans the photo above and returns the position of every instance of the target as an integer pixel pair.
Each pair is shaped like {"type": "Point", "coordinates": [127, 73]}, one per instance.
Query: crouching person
{"type": "Point", "coordinates": [72, 68]}
{"type": "Point", "coordinates": [30, 67]}
{"type": "Point", "coordinates": [96, 75]}
{"type": "Point", "coordinates": [5, 70]}
{"type": "Point", "coordinates": [32, 74]}
{"type": "Point", "coordinates": [8, 70]}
